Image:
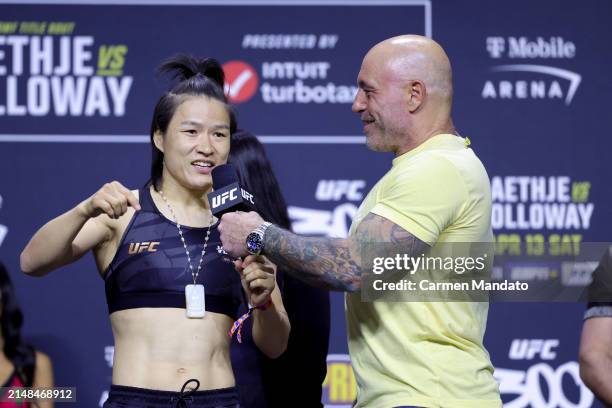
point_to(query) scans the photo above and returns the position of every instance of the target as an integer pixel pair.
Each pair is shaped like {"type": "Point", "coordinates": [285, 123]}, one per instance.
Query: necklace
{"type": "Point", "coordinates": [194, 293]}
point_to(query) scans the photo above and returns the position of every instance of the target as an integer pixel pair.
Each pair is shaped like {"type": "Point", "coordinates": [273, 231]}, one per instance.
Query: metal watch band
{"type": "Point", "coordinates": [261, 230]}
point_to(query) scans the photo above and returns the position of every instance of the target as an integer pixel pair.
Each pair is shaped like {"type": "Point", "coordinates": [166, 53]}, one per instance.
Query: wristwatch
{"type": "Point", "coordinates": [255, 240]}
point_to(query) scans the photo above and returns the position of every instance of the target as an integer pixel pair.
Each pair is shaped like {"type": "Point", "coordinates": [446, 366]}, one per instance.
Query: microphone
{"type": "Point", "coordinates": [228, 195]}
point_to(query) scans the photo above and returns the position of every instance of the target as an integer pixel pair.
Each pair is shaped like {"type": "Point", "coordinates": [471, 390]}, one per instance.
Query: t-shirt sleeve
{"type": "Point", "coordinates": [423, 198]}
{"type": "Point", "coordinates": [600, 289]}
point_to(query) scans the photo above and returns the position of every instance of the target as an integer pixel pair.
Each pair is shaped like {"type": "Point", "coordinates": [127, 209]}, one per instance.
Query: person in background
{"type": "Point", "coordinates": [263, 382]}
{"type": "Point", "coordinates": [20, 364]}
{"type": "Point", "coordinates": [596, 340]}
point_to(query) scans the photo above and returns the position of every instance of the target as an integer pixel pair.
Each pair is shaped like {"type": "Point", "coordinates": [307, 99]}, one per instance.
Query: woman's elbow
{"type": "Point", "coordinates": [279, 346]}
{"type": "Point", "coordinates": [28, 266]}
{"type": "Point", "coordinates": [278, 349]}
{"type": "Point", "coordinates": [25, 262]}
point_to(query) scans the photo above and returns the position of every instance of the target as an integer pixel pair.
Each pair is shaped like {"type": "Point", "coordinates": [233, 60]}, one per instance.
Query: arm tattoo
{"type": "Point", "coordinates": [331, 262]}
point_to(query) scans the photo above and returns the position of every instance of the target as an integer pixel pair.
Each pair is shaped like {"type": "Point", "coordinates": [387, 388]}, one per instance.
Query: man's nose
{"type": "Point", "coordinates": [359, 103]}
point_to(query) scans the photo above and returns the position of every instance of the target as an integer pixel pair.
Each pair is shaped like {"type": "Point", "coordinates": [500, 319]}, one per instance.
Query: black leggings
{"type": "Point", "coordinates": [131, 397]}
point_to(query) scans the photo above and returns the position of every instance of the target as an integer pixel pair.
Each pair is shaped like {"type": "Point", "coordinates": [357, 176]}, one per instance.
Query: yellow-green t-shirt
{"type": "Point", "coordinates": [427, 354]}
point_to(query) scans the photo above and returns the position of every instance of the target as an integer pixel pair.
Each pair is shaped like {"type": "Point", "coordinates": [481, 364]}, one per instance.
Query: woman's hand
{"type": "Point", "coordinates": [258, 276]}
{"type": "Point", "coordinates": [112, 199]}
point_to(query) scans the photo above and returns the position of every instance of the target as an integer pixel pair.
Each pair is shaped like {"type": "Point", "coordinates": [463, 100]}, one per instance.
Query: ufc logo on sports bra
{"type": "Point", "coordinates": [138, 247]}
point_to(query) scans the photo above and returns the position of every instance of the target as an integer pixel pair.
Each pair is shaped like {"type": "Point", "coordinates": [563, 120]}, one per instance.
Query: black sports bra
{"type": "Point", "coordinates": [150, 267]}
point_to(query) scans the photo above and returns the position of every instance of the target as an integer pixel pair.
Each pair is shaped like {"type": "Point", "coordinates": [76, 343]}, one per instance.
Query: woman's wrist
{"type": "Point", "coordinates": [265, 306]}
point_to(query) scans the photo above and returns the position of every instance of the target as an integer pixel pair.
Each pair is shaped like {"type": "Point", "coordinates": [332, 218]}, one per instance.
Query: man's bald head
{"type": "Point", "coordinates": [405, 93]}
{"type": "Point", "coordinates": [414, 57]}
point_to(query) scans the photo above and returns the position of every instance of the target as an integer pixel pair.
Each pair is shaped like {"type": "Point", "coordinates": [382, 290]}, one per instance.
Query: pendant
{"type": "Point", "coordinates": [194, 299]}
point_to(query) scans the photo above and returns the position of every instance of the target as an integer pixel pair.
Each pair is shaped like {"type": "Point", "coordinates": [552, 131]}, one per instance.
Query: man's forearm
{"type": "Point", "coordinates": [595, 370]}
{"type": "Point", "coordinates": [332, 263]}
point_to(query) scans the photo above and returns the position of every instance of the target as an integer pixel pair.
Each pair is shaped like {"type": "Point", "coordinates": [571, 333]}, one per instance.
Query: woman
{"type": "Point", "coordinates": [263, 382]}
{"type": "Point", "coordinates": [172, 293]}
{"type": "Point", "coordinates": [20, 364]}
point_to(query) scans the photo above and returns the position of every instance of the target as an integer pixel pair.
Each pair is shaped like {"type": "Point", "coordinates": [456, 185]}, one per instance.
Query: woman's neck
{"type": "Point", "coordinates": [187, 207]}
{"type": "Point", "coordinates": [180, 196]}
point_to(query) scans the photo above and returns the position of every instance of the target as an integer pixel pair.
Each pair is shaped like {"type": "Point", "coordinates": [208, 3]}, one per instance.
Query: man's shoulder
{"type": "Point", "coordinates": [460, 163]}
{"type": "Point", "coordinates": [431, 166]}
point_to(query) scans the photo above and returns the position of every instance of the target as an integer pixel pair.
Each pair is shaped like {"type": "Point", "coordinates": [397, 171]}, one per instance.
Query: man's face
{"type": "Point", "coordinates": [381, 104]}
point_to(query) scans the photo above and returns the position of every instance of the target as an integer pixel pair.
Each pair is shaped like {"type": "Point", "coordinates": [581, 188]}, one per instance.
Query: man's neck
{"type": "Point", "coordinates": [419, 136]}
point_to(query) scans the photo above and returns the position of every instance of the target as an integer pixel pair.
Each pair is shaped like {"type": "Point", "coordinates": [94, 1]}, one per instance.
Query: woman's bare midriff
{"type": "Point", "coordinates": [160, 349]}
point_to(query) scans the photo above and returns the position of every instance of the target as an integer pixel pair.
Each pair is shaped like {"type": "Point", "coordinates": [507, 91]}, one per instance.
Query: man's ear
{"type": "Point", "coordinates": [158, 140]}
{"type": "Point", "coordinates": [416, 93]}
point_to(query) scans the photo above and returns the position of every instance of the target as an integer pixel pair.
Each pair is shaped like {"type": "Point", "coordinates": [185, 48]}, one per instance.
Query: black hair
{"type": "Point", "coordinates": [11, 319]}
{"type": "Point", "coordinates": [248, 156]}
{"type": "Point", "coordinates": [196, 77]}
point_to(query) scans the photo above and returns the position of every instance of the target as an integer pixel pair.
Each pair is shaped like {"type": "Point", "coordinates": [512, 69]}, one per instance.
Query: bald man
{"type": "Point", "coordinates": [427, 354]}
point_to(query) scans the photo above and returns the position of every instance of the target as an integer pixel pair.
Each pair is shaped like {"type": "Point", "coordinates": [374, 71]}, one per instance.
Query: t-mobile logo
{"type": "Point", "coordinates": [496, 46]}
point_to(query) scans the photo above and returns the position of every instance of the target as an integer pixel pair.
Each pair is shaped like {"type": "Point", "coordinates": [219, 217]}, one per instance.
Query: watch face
{"type": "Point", "coordinates": [253, 243]}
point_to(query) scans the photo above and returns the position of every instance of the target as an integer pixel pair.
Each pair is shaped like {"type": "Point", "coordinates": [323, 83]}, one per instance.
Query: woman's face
{"type": "Point", "coordinates": [197, 140]}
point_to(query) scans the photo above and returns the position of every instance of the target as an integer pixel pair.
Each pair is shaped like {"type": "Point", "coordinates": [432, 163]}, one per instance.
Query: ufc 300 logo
{"type": "Point", "coordinates": [528, 349]}
{"type": "Point", "coordinates": [544, 384]}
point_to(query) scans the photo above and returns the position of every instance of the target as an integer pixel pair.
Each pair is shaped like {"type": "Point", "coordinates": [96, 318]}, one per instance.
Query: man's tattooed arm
{"type": "Point", "coordinates": [333, 262]}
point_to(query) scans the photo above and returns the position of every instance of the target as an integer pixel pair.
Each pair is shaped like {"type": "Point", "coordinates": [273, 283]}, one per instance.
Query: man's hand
{"type": "Point", "coordinates": [234, 228]}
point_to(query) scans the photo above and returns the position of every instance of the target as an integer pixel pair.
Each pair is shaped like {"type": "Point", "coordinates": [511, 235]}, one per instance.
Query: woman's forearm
{"type": "Point", "coordinates": [271, 329]}
{"type": "Point", "coordinates": [52, 245]}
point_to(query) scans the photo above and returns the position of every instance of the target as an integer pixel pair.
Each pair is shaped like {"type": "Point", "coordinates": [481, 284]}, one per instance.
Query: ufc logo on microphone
{"type": "Point", "coordinates": [247, 196]}
{"type": "Point", "coordinates": [223, 197]}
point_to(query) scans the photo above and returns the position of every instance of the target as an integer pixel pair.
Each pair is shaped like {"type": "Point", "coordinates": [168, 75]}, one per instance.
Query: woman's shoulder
{"type": "Point", "coordinates": [42, 359]}
{"type": "Point", "coordinates": [43, 371]}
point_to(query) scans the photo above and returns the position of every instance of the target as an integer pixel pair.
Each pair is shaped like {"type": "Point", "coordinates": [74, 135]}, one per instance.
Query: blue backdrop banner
{"type": "Point", "coordinates": [78, 85]}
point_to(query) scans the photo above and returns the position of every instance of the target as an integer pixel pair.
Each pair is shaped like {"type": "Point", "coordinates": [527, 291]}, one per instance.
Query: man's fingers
{"type": "Point", "coordinates": [260, 259]}
{"type": "Point", "coordinates": [249, 260]}
{"type": "Point", "coordinates": [238, 265]}
{"type": "Point", "coordinates": [227, 217]}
